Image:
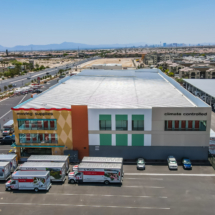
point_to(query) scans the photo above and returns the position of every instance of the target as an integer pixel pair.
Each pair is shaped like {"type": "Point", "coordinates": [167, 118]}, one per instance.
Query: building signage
{"type": "Point", "coordinates": [185, 114]}
{"type": "Point", "coordinates": [36, 114]}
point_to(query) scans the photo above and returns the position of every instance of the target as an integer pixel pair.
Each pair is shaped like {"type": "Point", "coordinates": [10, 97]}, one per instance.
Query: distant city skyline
{"type": "Point", "coordinates": [97, 22]}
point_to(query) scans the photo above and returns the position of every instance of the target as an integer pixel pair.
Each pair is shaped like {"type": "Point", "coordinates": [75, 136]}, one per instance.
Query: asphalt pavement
{"type": "Point", "coordinates": [6, 113]}
{"type": "Point", "coordinates": [167, 194]}
{"type": "Point", "coordinates": [22, 80]}
{"type": "Point", "coordinates": [7, 104]}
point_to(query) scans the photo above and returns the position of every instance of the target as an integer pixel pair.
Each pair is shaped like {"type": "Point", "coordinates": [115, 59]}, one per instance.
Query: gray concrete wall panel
{"type": "Point", "coordinates": [150, 152]}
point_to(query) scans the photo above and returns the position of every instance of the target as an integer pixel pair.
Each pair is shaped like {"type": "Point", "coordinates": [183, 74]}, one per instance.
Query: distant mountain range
{"type": "Point", "coordinates": [67, 46]}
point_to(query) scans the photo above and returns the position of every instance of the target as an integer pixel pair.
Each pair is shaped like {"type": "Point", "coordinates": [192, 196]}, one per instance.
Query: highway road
{"type": "Point", "coordinates": [7, 104]}
{"type": "Point", "coordinates": [22, 80]}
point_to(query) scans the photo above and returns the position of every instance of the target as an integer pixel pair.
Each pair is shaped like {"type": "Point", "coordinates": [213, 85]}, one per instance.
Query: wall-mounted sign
{"type": "Point", "coordinates": [185, 114]}
{"type": "Point", "coordinates": [36, 114]}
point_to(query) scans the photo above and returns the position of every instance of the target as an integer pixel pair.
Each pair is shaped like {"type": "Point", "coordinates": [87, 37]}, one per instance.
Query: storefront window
{"type": "Point", "coordinates": [122, 125]}
{"type": "Point", "coordinates": [26, 152]}
{"type": "Point", "coordinates": [137, 122]}
{"type": "Point", "coordinates": [121, 122]}
{"type": "Point", "coordinates": [38, 138]}
{"type": "Point", "coordinates": [37, 124]}
{"type": "Point", "coordinates": [105, 122]}
{"type": "Point", "coordinates": [183, 125]}
{"type": "Point", "coordinates": [137, 125]}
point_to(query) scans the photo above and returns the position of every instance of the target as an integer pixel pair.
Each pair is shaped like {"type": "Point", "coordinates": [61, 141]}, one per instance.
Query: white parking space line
{"type": "Point", "coordinates": [5, 114]}
{"type": "Point", "coordinates": [144, 187]}
{"type": "Point", "coordinates": [42, 73]}
{"type": "Point", "coordinates": [10, 110]}
{"type": "Point", "coordinates": [92, 206]}
{"type": "Point", "coordinates": [125, 196]}
{"type": "Point", "coordinates": [4, 99]}
{"type": "Point", "coordinates": [179, 174]}
{"type": "Point", "coordinates": [158, 179]}
{"type": "Point", "coordinates": [19, 80]}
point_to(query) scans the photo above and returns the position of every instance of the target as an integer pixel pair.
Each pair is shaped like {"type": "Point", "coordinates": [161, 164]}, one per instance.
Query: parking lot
{"type": "Point", "coordinates": [156, 190]}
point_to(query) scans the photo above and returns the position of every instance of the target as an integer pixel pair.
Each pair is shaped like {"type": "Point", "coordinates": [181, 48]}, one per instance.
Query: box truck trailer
{"type": "Point", "coordinates": [4, 170]}
{"type": "Point", "coordinates": [57, 170]}
{"type": "Point", "coordinates": [100, 160]}
{"type": "Point", "coordinates": [50, 158]}
{"type": "Point", "coordinates": [12, 158]}
{"type": "Point", "coordinates": [29, 180]}
{"type": "Point", "coordinates": [8, 128]}
{"type": "Point", "coordinates": [97, 172]}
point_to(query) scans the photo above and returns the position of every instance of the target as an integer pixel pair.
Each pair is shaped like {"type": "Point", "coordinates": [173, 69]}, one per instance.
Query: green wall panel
{"type": "Point", "coordinates": [105, 117]}
{"type": "Point", "coordinates": [121, 117]}
{"type": "Point", "coordinates": [137, 117]}
{"type": "Point", "coordinates": [121, 139]}
{"type": "Point", "coordinates": [137, 139]}
{"type": "Point", "coordinates": [105, 139]}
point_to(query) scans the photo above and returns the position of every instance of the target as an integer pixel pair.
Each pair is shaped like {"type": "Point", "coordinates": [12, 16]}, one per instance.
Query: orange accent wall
{"type": "Point", "coordinates": [80, 130]}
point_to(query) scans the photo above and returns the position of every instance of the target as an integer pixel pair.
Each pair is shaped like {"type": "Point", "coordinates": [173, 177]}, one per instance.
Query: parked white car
{"type": "Point", "coordinates": [172, 163]}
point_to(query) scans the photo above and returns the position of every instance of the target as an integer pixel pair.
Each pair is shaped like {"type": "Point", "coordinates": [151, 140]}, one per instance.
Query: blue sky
{"type": "Point", "coordinates": [24, 22]}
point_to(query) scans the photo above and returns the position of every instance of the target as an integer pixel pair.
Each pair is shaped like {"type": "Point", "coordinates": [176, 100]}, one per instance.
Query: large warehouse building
{"type": "Point", "coordinates": [128, 114]}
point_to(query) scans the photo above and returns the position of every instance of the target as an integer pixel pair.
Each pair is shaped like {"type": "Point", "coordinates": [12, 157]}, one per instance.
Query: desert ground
{"type": "Point", "coordinates": [126, 62]}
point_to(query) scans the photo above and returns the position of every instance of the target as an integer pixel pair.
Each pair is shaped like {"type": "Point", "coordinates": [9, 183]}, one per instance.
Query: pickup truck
{"type": "Point", "coordinates": [8, 140]}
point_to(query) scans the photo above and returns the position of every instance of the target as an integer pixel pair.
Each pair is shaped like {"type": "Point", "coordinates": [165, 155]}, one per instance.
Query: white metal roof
{"type": "Point", "coordinates": [30, 173]}
{"type": "Point", "coordinates": [57, 158]}
{"type": "Point", "coordinates": [7, 156]}
{"type": "Point", "coordinates": [102, 159]}
{"type": "Point", "coordinates": [112, 89]}
{"type": "Point", "coordinates": [100, 165]}
{"type": "Point", "coordinates": [205, 85]}
{"type": "Point", "coordinates": [41, 164]}
{"type": "Point", "coordinates": [4, 163]}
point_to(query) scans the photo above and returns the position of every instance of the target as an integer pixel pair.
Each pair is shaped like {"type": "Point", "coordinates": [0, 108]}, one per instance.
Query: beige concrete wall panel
{"type": "Point", "coordinates": [179, 140]}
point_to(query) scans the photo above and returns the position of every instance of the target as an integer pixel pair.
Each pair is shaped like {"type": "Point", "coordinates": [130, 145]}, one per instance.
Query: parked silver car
{"type": "Point", "coordinates": [172, 163]}
{"type": "Point", "coordinates": [141, 163]}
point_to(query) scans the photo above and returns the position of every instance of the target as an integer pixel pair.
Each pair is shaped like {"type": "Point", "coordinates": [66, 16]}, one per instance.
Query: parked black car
{"type": "Point", "coordinates": [8, 140]}
{"type": "Point", "coordinates": [37, 91]}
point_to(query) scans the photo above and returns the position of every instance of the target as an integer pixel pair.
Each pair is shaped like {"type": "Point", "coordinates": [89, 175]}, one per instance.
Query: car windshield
{"type": "Point", "coordinates": [140, 161]}
{"type": "Point", "coordinates": [172, 162]}
{"type": "Point", "coordinates": [187, 161]}
{"type": "Point", "coordinates": [7, 129]}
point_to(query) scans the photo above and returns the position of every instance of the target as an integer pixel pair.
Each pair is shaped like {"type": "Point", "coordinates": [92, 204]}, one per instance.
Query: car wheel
{"type": "Point", "coordinates": [106, 182]}
{"type": "Point", "coordinates": [9, 188]}
{"type": "Point", "coordinates": [36, 189]}
{"type": "Point", "coordinates": [71, 181]}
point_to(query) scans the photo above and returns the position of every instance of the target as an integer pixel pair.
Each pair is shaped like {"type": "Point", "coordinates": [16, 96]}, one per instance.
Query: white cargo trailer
{"type": "Point", "coordinates": [100, 160]}
{"type": "Point", "coordinates": [12, 158]}
{"type": "Point", "coordinates": [50, 158]}
{"type": "Point", "coordinates": [4, 170]}
{"type": "Point", "coordinates": [97, 172]}
{"type": "Point", "coordinates": [29, 180]}
{"type": "Point", "coordinates": [57, 170]}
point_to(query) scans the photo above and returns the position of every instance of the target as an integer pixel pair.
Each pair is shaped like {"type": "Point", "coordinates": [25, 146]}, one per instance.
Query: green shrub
{"type": "Point", "coordinates": [171, 74]}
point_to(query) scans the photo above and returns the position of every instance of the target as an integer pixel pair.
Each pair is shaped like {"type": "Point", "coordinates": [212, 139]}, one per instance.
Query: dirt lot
{"type": "Point", "coordinates": [126, 62]}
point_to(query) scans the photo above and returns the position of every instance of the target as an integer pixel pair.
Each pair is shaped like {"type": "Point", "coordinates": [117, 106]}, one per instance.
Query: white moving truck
{"type": "Point", "coordinates": [4, 170]}
{"type": "Point", "coordinates": [8, 128]}
{"type": "Point", "coordinates": [57, 170]}
{"type": "Point", "coordinates": [12, 158]}
{"type": "Point", "coordinates": [99, 160]}
{"type": "Point", "coordinates": [50, 158]}
{"type": "Point", "coordinates": [97, 172]}
{"type": "Point", "coordinates": [29, 180]}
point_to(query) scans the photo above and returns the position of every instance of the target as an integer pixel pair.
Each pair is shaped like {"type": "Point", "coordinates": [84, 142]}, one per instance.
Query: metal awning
{"type": "Point", "coordinates": [37, 146]}
{"type": "Point", "coordinates": [205, 85]}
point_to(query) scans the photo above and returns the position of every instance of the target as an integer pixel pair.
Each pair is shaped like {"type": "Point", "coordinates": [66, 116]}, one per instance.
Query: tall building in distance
{"type": "Point", "coordinates": [164, 44]}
